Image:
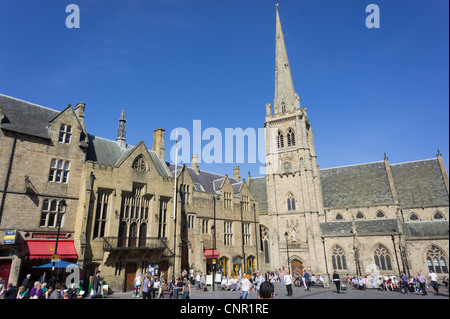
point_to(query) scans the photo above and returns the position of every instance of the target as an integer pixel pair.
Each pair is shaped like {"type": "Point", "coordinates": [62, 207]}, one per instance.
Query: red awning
{"type": "Point", "coordinates": [44, 249]}
{"type": "Point", "coordinates": [211, 253]}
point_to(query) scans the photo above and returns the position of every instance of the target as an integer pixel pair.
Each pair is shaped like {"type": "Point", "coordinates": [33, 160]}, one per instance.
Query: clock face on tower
{"type": "Point", "coordinates": [287, 165]}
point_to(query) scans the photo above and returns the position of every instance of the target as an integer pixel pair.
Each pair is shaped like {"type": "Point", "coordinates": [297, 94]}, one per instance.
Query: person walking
{"type": "Point", "coordinates": [405, 283]}
{"type": "Point", "coordinates": [145, 288]}
{"type": "Point", "coordinates": [259, 279]}
{"type": "Point", "coordinates": [288, 282]}
{"type": "Point", "coordinates": [95, 285]}
{"type": "Point", "coordinates": [434, 281]}
{"type": "Point", "coordinates": [186, 288]}
{"type": "Point", "coordinates": [422, 282]}
{"type": "Point", "coordinates": [337, 282]}
{"type": "Point", "coordinates": [245, 287]}
{"type": "Point", "coordinates": [307, 279]}
{"type": "Point", "coordinates": [137, 285]}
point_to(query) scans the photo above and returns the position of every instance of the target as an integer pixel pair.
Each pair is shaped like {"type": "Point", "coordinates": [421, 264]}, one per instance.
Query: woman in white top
{"type": "Point", "coordinates": [288, 283]}
{"type": "Point", "coordinates": [245, 287]}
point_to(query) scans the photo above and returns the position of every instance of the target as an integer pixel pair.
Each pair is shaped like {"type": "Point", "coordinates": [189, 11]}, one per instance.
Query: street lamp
{"type": "Point", "coordinates": [286, 235]}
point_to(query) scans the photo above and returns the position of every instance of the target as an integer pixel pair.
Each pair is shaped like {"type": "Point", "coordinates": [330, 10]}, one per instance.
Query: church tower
{"type": "Point", "coordinates": [294, 192]}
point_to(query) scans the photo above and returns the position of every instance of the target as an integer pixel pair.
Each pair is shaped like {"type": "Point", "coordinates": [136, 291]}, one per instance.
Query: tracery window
{"type": "Point", "coordinates": [436, 260]}
{"type": "Point", "coordinates": [382, 258]}
{"type": "Point", "coordinates": [139, 164]}
{"type": "Point", "coordinates": [280, 140]}
{"type": "Point", "coordinates": [338, 259]}
{"type": "Point", "coordinates": [291, 138]}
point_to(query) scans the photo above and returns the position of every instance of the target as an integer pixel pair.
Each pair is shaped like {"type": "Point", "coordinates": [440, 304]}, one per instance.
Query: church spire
{"type": "Point", "coordinates": [285, 97]}
{"type": "Point", "coordinates": [121, 140]}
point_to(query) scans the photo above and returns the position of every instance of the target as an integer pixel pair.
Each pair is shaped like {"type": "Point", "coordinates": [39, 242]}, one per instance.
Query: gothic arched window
{"type": "Point", "coordinates": [413, 216]}
{"type": "Point", "coordinates": [339, 217]}
{"type": "Point", "coordinates": [338, 259]}
{"type": "Point", "coordinates": [359, 215]}
{"type": "Point", "coordinates": [291, 137]}
{"type": "Point", "coordinates": [436, 260]}
{"type": "Point", "coordinates": [382, 258]}
{"type": "Point", "coordinates": [280, 140]}
{"type": "Point", "coordinates": [291, 203]}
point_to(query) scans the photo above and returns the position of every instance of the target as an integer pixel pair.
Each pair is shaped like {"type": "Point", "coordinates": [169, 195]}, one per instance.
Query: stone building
{"type": "Point", "coordinates": [115, 203]}
{"type": "Point", "coordinates": [220, 222]}
{"type": "Point", "coordinates": [367, 219]}
{"type": "Point", "coordinates": [42, 156]}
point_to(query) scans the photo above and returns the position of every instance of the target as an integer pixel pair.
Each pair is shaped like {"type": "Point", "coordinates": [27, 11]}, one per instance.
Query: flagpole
{"type": "Point", "coordinates": [175, 205]}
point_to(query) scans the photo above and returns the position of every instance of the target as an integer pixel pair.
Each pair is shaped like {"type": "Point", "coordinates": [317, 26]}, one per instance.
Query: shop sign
{"type": "Point", "coordinates": [9, 237]}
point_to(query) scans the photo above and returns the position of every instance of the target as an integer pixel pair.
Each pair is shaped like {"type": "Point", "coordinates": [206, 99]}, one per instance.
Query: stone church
{"type": "Point", "coordinates": [123, 209]}
{"type": "Point", "coordinates": [366, 219]}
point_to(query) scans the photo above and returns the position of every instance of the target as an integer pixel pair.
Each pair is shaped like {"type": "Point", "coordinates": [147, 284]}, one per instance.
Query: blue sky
{"type": "Point", "coordinates": [170, 62]}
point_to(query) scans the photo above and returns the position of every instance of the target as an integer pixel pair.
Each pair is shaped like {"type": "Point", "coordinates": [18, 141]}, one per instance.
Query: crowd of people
{"type": "Point", "coordinates": [44, 288]}
{"type": "Point", "coordinates": [150, 286]}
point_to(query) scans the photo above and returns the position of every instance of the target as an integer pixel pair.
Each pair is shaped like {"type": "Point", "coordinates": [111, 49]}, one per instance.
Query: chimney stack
{"type": "Point", "coordinates": [194, 163]}
{"type": "Point", "coordinates": [236, 174]}
{"type": "Point", "coordinates": [158, 143]}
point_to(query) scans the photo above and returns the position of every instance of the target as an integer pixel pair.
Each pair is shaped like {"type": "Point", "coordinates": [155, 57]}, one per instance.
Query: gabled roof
{"type": "Point", "coordinates": [25, 117]}
{"type": "Point", "coordinates": [211, 182]}
{"type": "Point", "coordinates": [108, 152]}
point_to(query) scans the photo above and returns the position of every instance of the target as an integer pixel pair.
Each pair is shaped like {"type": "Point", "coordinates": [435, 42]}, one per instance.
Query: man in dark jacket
{"type": "Point", "coordinates": [95, 285]}
{"type": "Point", "coordinates": [11, 292]}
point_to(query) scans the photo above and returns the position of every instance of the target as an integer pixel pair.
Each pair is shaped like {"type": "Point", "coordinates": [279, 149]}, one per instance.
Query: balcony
{"type": "Point", "coordinates": [134, 243]}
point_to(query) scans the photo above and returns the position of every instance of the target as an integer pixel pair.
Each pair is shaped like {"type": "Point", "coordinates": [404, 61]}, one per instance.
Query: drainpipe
{"type": "Point", "coordinates": [8, 174]}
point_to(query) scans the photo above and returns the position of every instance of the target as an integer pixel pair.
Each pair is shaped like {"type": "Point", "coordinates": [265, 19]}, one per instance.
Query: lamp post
{"type": "Point", "coordinates": [395, 250]}
{"type": "Point", "coordinates": [256, 238]}
{"type": "Point", "coordinates": [326, 262]}
{"type": "Point", "coordinates": [286, 235]}
{"type": "Point", "coordinates": [61, 210]}
{"type": "Point", "coordinates": [242, 229]}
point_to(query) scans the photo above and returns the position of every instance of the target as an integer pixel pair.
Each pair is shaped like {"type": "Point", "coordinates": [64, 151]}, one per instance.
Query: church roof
{"type": "Point", "coordinates": [418, 183]}
{"type": "Point", "coordinates": [25, 117]}
{"type": "Point", "coordinates": [356, 185]}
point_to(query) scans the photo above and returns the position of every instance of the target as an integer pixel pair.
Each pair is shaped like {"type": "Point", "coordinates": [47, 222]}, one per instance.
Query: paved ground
{"type": "Point", "coordinates": [301, 293]}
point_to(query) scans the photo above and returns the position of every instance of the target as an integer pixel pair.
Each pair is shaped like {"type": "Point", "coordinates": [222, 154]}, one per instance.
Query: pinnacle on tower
{"type": "Point", "coordinates": [121, 139]}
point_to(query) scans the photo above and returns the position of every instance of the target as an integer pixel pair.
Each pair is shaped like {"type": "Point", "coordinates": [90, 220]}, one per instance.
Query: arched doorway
{"type": "Point", "coordinates": [297, 266]}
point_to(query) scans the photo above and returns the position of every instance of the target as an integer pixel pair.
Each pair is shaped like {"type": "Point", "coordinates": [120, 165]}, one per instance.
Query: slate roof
{"type": "Point", "coordinates": [356, 185]}
{"type": "Point", "coordinates": [433, 228]}
{"type": "Point", "coordinates": [419, 183]}
{"type": "Point", "coordinates": [210, 182]}
{"type": "Point", "coordinates": [108, 152]}
{"type": "Point", "coordinates": [363, 227]}
{"type": "Point", "coordinates": [258, 189]}
{"type": "Point", "coordinates": [25, 117]}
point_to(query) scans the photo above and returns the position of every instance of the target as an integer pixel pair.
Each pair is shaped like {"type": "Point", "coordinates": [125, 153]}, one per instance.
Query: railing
{"type": "Point", "coordinates": [124, 243]}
